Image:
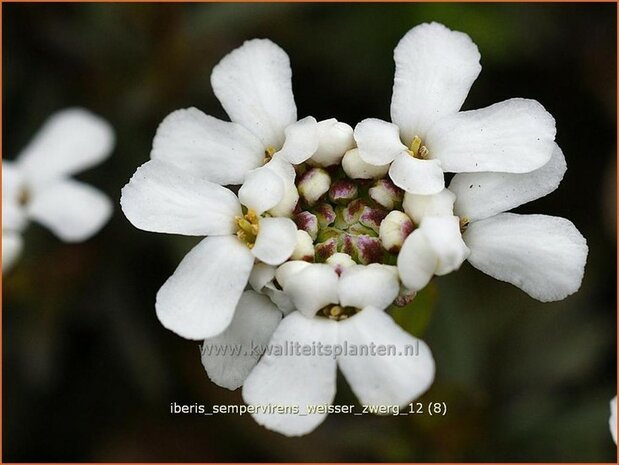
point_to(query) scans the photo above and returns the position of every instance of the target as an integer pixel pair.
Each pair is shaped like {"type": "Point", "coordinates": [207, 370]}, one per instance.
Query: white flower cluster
{"type": "Point", "coordinates": [329, 226]}
{"type": "Point", "coordinates": [37, 184]}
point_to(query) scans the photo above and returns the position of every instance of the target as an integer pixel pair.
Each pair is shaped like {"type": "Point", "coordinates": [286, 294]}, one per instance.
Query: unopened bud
{"type": "Point", "coordinates": [326, 249]}
{"type": "Point", "coordinates": [324, 214]}
{"type": "Point", "coordinates": [394, 229]}
{"type": "Point", "coordinates": [304, 250]}
{"type": "Point", "coordinates": [307, 221]}
{"type": "Point", "coordinates": [356, 168]}
{"type": "Point", "coordinates": [339, 261]}
{"type": "Point", "coordinates": [343, 191]}
{"type": "Point", "coordinates": [386, 194]}
{"type": "Point", "coordinates": [314, 183]}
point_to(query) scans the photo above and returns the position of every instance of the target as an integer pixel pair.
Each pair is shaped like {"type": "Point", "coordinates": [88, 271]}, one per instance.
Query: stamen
{"type": "Point", "coordinates": [268, 154]}
{"type": "Point", "coordinates": [337, 312]}
{"type": "Point", "coordinates": [464, 223]}
{"type": "Point", "coordinates": [248, 228]}
{"type": "Point", "coordinates": [418, 150]}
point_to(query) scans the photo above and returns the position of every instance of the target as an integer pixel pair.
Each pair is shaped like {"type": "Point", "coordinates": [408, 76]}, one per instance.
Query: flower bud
{"type": "Point", "coordinates": [394, 229]}
{"type": "Point", "coordinates": [356, 168]}
{"type": "Point", "coordinates": [326, 249]}
{"type": "Point", "coordinates": [405, 297]}
{"type": "Point", "coordinates": [386, 194]}
{"type": "Point", "coordinates": [365, 249]}
{"type": "Point", "coordinates": [343, 191]}
{"type": "Point", "coordinates": [288, 203]}
{"type": "Point", "coordinates": [335, 139]}
{"type": "Point", "coordinates": [307, 221]}
{"type": "Point", "coordinates": [314, 183]}
{"type": "Point", "coordinates": [304, 250]}
{"type": "Point", "coordinates": [325, 215]}
{"type": "Point", "coordinates": [339, 261]}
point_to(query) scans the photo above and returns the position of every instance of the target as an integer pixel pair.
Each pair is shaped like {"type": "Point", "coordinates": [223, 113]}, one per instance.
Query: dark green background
{"type": "Point", "coordinates": [88, 370]}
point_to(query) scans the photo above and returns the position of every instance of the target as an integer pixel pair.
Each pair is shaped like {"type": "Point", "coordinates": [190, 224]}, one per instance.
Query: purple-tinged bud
{"type": "Point", "coordinates": [372, 217]}
{"type": "Point", "coordinates": [325, 249]}
{"type": "Point", "coordinates": [369, 250]}
{"type": "Point", "coordinates": [353, 211]}
{"type": "Point", "coordinates": [313, 184]}
{"type": "Point", "coordinates": [363, 249]}
{"type": "Point", "coordinates": [307, 221]}
{"type": "Point", "coordinates": [386, 194]}
{"type": "Point", "coordinates": [340, 261]}
{"type": "Point", "coordinates": [394, 229]}
{"type": "Point", "coordinates": [325, 214]}
{"type": "Point", "coordinates": [343, 191]}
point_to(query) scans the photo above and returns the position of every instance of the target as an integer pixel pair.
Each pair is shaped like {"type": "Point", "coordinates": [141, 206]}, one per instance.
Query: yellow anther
{"type": "Point", "coordinates": [415, 146]}
{"type": "Point", "coordinates": [417, 150]}
{"type": "Point", "coordinates": [248, 228]}
{"type": "Point", "coordinates": [464, 223]}
{"type": "Point", "coordinates": [268, 153]}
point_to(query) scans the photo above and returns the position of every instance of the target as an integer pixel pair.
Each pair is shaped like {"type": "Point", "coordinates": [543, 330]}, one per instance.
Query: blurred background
{"type": "Point", "coordinates": [88, 371]}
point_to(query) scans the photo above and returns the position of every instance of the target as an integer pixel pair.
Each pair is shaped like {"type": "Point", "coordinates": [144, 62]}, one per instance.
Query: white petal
{"type": "Point", "coordinates": [276, 240]}
{"type": "Point", "coordinates": [312, 288]}
{"type": "Point", "coordinates": [162, 198]}
{"type": "Point", "coordinates": [229, 358]}
{"type": "Point", "coordinates": [434, 70]}
{"type": "Point", "coordinates": [301, 140]}
{"type": "Point", "coordinates": [279, 298]}
{"type": "Point", "coordinates": [294, 380]}
{"type": "Point", "coordinates": [291, 196]}
{"type": "Point", "coordinates": [13, 215]}
{"type": "Point", "coordinates": [262, 190]}
{"type": "Point", "coordinates": [612, 421]}
{"type": "Point", "coordinates": [394, 379]}
{"type": "Point", "coordinates": [482, 195]}
{"type": "Point", "coordinates": [420, 206]}
{"type": "Point", "coordinates": [444, 237]}
{"type": "Point", "coordinates": [378, 141]}
{"type": "Point", "coordinates": [199, 299]}
{"type": "Point", "coordinates": [72, 210]}
{"type": "Point", "coordinates": [219, 151]}
{"type": "Point", "coordinates": [254, 85]}
{"type": "Point", "coordinates": [335, 139]}
{"type": "Point", "coordinates": [261, 275]}
{"type": "Point", "coordinates": [70, 141]}
{"type": "Point", "coordinates": [356, 168]}
{"type": "Point", "coordinates": [542, 255]}
{"type": "Point", "coordinates": [416, 261]}
{"type": "Point", "coordinates": [12, 246]}
{"type": "Point", "coordinates": [372, 285]}
{"type": "Point", "coordinates": [514, 136]}
{"type": "Point", "coordinates": [417, 176]}
{"type": "Point", "coordinates": [288, 269]}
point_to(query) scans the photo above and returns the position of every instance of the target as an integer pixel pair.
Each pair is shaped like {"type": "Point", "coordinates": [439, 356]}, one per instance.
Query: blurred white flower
{"type": "Point", "coordinates": [338, 306]}
{"type": "Point", "coordinates": [613, 419]}
{"type": "Point", "coordinates": [198, 301]}
{"type": "Point", "coordinates": [37, 185]}
{"type": "Point", "coordinates": [435, 68]}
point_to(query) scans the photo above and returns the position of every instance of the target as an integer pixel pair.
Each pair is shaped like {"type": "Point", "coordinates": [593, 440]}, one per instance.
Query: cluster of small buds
{"type": "Point", "coordinates": [350, 208]}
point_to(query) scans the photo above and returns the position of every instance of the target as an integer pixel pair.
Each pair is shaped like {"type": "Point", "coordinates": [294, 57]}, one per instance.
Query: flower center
{"type": "Point", "coordinates": [418, 150]}
{"type": "Point", "coordinates": [337, 312]}
{"type": "Point", "coordinates": [345, 215]}
{"type": "Point", "coordinates": [248, 228]}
